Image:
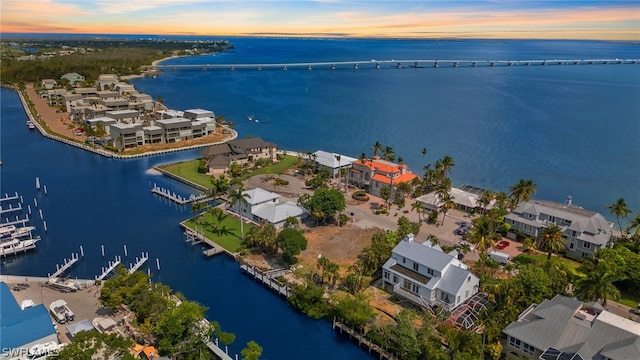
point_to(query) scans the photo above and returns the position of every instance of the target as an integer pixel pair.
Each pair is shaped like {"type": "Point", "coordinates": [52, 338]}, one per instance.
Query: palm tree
{"type": "Point", "coordinates": [198, 206]}
{"type": "Point", "coordinates": [377, 147]}
{"type": "Point", "coordinates": [522, 190]}
{"type": "Point", "coordinates": [621, 210]}
{"type": "Point", "coordinates": [388, 153]}
{"type": "Point", "coordinates": [483, 234]}
{"type": "Point", "coordinates": [551, 240]}
{"type": "Point", "coordinates": [598, 285]}
{"type": "Point", "coordinates": [486, 198]}
{"type": "Point", "coordinates": [447, 205]}
{"type": "Point", "coordinates": [419, 208]}
{"type": "Point", "coordinates": [445, 165]}
{"type": "Point", "coordinates": [218, 217]}
{"type": "Point", "coordinates": [635, 224]}
{"type": "Point", "coordinates": [424, 153]}
{"type": "Point", "coordinates": [238, 197]}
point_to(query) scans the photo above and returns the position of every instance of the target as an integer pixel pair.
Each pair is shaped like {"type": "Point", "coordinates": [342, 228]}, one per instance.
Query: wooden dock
{"type": "Point", "coordinates": [362, 340]}
{"type": "Point", "coordinates": [177, 198]}
{"type": "Point", "coordinates": [106, 271]}
{"type": "Point", "coordinates": [268, 278]}
{"type": "Point", "coordinates": [67, 264]}
{"type": "Point", "coordinates": [196, 238]}
{"type": "Point", "coordinates": [139, 262]}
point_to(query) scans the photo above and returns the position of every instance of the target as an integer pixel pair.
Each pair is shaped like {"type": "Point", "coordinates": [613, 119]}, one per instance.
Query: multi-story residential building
{"type": "Point", "coordinates": [126, 136]}
{"type": "Point", "coordinates": [565, 328]}
{"type": "Point", "coordinates": [264, 207]}
{"type": "Point", "coordinates": [585, 230]}
{"type": "Point", "coordinates": [374, 174]}
{"type": "Point", "coordinates": [427, 276]}
{"type": "Point", "coordinates": [124, 116]}
{"type": "Point", "coordinates": [329, 161]}
{"type": "Point", "coordinates": [107, 81]}
{"type": "Point", "coordinates": [466, 198]}
{"type": "Point", "coordinates": [48, 84]}
{"type": "Point", "coordinates": [240, 151]}
{"type": "Point", "coordinates": [73, 77]}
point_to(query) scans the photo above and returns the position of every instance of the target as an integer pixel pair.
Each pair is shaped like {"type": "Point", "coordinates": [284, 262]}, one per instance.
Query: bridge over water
{"type": "Point", "coordinates": [397, 64]}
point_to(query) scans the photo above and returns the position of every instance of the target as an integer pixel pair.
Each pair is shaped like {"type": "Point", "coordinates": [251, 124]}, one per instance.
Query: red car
{"type": "Point", "coordinates": [502, 244]}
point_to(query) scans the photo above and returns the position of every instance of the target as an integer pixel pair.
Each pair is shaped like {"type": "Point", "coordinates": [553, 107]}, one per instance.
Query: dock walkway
{"type": "Point", "coordinates": [268, 278]}
{"type": "Point", "coordinates": [196, 238]}
{"type": "Point", "coordinates": [177, 198]}
{"type": "Point", "coordinates": [383, 354]}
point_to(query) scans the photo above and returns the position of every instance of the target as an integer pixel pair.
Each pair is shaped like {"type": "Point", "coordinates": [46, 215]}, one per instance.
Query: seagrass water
{"type": "Point", "coordinates": [574, 130]}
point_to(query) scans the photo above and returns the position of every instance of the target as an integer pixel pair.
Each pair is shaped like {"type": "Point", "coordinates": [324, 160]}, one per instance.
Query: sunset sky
{"type": "Point", "coordinates": [569, 19]}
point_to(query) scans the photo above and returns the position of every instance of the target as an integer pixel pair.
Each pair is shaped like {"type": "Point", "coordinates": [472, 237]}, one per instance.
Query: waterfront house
{"type": "Point", "coordinates": [124, 88]}
{"type": "Point", "coordinates": [329, 161]}
{"type": "Point", "coordinates": [466, 198]}
{"type": "Point", "coordinates": [427, 276]}
{"type": "Point", "coordinates": [124, 116]}
{"type": "Point", "coordinates": [22, 328]}
{"type": "Point", "coordinates": [73, 77]}
{"type": "Point", "coordinates": [566, 328]}
{"type": "Point", "coordinates": [372, 174]}
{"type": "Point", "coordinates": [102, 121]}
{"type": "Point", "coordinates": [175, 130]}
{"type": "Point", "coordinates": [126, 136]}
{"type": "Point", "coordinates": [107, 81]}
{"type": "Point", "coordinates": [240, 151]}
{"type": "Point", "coordinates": [585, 231]}
{"type": "Point", "coordinates": [48, 84]}
{"type": "Point", "coordinates": [264, 207]}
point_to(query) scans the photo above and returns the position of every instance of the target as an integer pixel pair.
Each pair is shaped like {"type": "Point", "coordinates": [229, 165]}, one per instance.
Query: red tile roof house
{"type": "Point", "coordinates": [372, 174]}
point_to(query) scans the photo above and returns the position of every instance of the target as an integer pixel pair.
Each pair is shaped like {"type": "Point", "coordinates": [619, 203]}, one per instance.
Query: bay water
{"type": "Point", "coordinates": [574, 130]}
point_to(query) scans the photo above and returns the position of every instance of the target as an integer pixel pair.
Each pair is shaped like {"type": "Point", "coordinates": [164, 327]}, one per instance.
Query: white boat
{"type": "Point", "coordinates": [13, 232]}
{"type": "Point", "coordinates": [15, 246]}
{"type": "Point", "coordinates": [30, 124]}
{"type": "Point", "coordinates": [250, 117]}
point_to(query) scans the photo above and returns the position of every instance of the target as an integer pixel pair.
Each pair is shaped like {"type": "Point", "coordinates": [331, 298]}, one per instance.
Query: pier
{"type": "Point", "coordinates": [10, 209]}
{"type": "Point", "coordinates": [139, 262]}
{"type": "Point", "coordinates": [16, 221]}
{"type": "Point", "coordinates": [353, 335]}
{"type": "Point", "coordinates": [177, 198]}
{"type": "Point", "coordinates": [67, 264]}
{"type": "Point", "coordinates": [8, 197]}
{"type": "Point", "coordinates": [268, 278]}
{"type": "Point", "coordinates": [106, 271]}
{"type": "Point", "coordinates": [196, 238]}
{"type": "Point", "coordinates": [393, 64]}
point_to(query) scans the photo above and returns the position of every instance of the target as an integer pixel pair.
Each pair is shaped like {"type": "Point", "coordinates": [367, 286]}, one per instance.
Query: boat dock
{"type": "Point", "coordinates": [196, 238]}
{"type": "Point", "coordinates": [106, 271]}
{"type": "Point", "coordinates": [139, 262]}
{"type": "Point", "coordinates": [11, 208]}
{"type": "Point", "coordinates": [67, 264]}
{"type": "Point", "coordinates": [268, 278]}
{"type": "Point", "coordinates": [177, 198]}
{"type": "Point", "coordinates": [16, 221]}
{"type": "Point", "coordinates": [8, 197]}
{"type": "Point", "coordinates": [353, 335]}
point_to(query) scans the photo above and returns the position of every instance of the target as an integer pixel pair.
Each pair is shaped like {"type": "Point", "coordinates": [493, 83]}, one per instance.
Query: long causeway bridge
{"type": "Point", "coordinates": [397, 64]}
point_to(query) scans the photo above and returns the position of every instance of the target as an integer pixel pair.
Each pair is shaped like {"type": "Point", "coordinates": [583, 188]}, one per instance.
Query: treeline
{"type": "Point", "coordinates": [162, 318]}
{"type": "Point", "coordinates": [113, 57]}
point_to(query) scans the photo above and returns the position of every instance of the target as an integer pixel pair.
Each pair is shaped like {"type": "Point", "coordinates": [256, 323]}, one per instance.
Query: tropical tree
{"type": "Point", "coordinates": [551, 240]}
{"type": "Point", "coordinates": [445, 165]}
{"type": "Point", "coordinates": [198, 206]}
{"type": "Point", "coordinates": [291, 242]}
{"type": "Point", "coordinates": [324, 203]}
{"type": "Point", "coordinates": [598, 285]}
{"type": "Point", "coordinates": [621, 210]}
{"type": "Point", "coordinates": [522, 190]}
{"type": "Point", "coordinates": [635, 224]}
{"type": "Point", "coordinates": [447, 204]}
{"type": "Point", "coordinates": [483, 234]}
{"type": "Point", "coordinates": [376, 148]}
{"type": "Point", "coordinates": [424, 153]}
{"type": "Point", "coordinates": [388, 153]}
{"type": "Point", "coordinates": [486, 199]}
{"type": "Point", "coordinates": [419, 208]}
{"type": "Point", "coordinates": [253, 351]}
{"type": "Point", "coordinates": [385, 194]}
{"type": "Point", "coordinates": [219, 185]}
{"type": "Point", "coordinates": [279, 182]}
{"type": "Point", "coordinates": [217, 217]}
{"type": "Point", "coordinates": [239, 197]}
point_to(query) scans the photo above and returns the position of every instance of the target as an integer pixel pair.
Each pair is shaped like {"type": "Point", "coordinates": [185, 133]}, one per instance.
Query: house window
{"type": "Point", "coordinates": [466, 294]}
{"type": "Point", "coordinates": [574, 233]}
{"type": "Point", "coordinates": [528, 349]}
{"type": "Point", "coordinates": [515, 342]}
{"type": "Point", "coordinates": [571, 245]}
{"type": "Point", "coordinates": [386, 275]}
{"type": "Point", "coordinates": [404, 260]}
{"type": "Point", "coordinates": [416, 266]}
{"type": "Point", "coordinates": [586, 245]}
{"type": "Point", "coordinates": [395, 279]}
{"type": "Point", "coordinates": [414, 288]}
{"type": "Point", "coordinates": [529, 216]}
{"type": "Point", "coordinates": [430, 271]}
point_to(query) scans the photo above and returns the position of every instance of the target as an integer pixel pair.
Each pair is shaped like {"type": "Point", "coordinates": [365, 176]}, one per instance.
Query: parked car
{"type": "Point", "coordinates": [463, 228]}
{"type": "Point", "coordinates": [502, 244]}
{"type": "Point", "coordinates": [501, 258]}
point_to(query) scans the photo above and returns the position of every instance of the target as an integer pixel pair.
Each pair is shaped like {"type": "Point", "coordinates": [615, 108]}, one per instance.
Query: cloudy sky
{"type": "Point", "coordinates": [568, 19]}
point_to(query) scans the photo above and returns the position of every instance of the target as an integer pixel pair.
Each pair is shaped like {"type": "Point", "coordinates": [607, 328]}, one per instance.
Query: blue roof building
{"type": "Point", "coordinates": [21, 329]}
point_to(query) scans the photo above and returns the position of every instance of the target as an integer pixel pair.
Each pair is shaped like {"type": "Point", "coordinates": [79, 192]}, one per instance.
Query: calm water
{"type": "Point", "coordinates": [572, 129]}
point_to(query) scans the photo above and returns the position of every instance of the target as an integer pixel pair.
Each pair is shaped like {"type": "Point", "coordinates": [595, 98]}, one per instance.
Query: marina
{"type": "Point", "coordinates": [177, 198]}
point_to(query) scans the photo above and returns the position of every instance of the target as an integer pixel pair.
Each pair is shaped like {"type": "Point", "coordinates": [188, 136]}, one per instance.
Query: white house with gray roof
{"type": "Point", "coordinates": [585, 230]}
{"type": "Point", "coordinates": [427, 276]}
{"type": "Point", "coordinates": [264, 206]}
{"type": "Point", "coordinates": [330, 162]}
{"type": "Point", "coordinates": [565, 328]}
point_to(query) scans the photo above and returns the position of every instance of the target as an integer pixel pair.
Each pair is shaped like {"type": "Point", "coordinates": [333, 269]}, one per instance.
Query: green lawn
{"type": "Point", "coordinates": [280, 167]}
{"type": "Point", "coordinates": [541, 258]}
{"type": "Point", "coordinates": [189, 170]}
{"type": "Point", "coordinates": [629, 300]}
{"type": "Point", "coordinates": [230, 238]}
